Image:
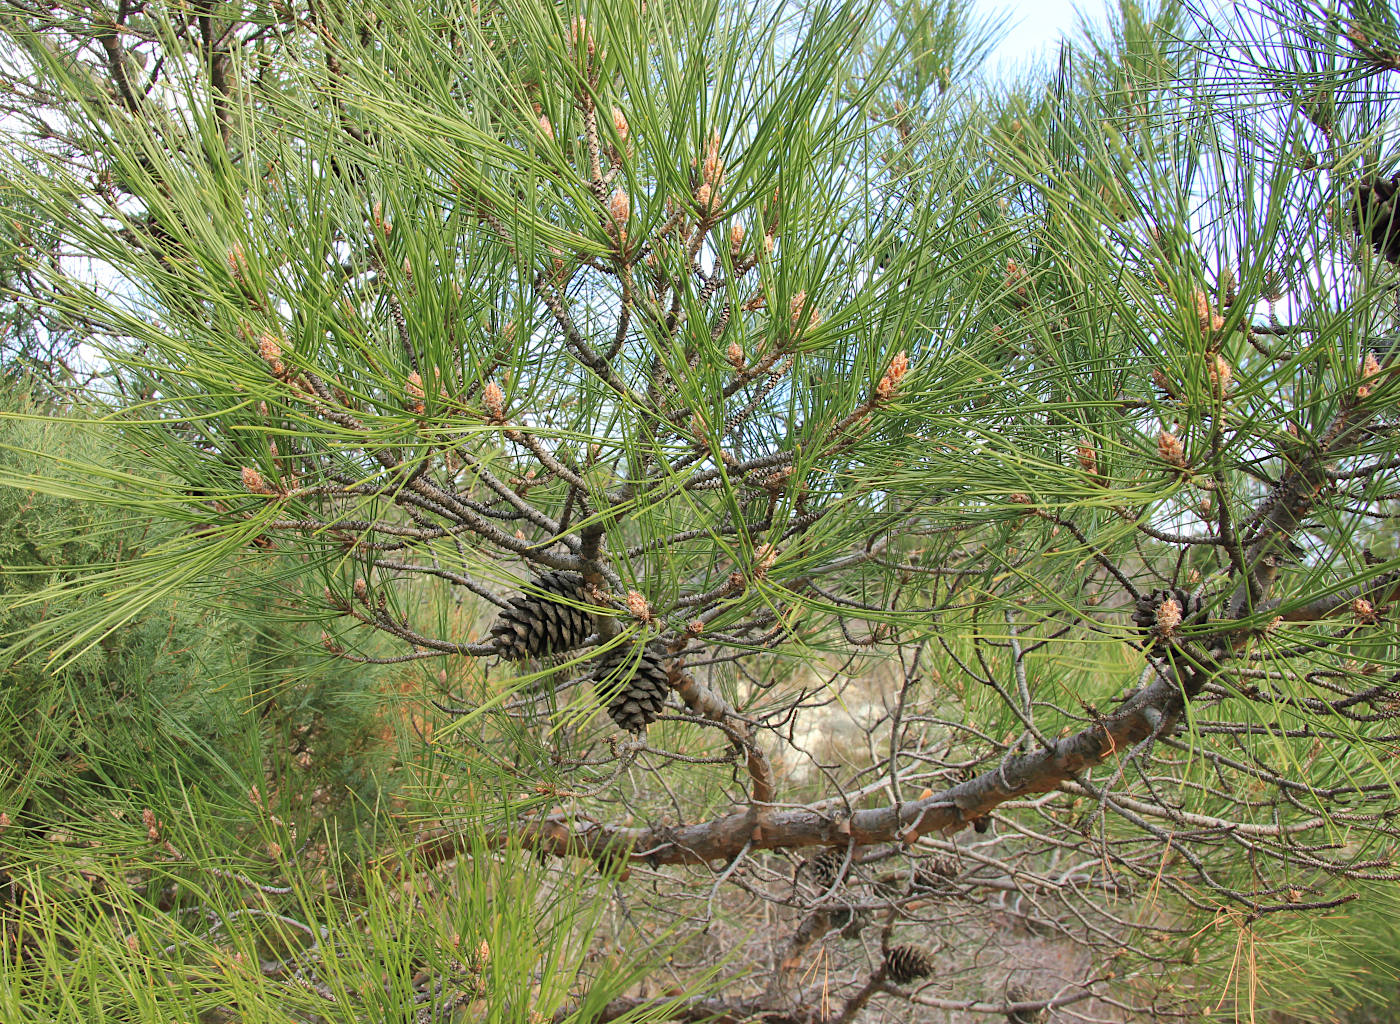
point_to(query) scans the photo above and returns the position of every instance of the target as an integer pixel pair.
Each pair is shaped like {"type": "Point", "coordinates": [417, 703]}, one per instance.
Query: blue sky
{"type": "Point", "coordinates": [1035, 26]}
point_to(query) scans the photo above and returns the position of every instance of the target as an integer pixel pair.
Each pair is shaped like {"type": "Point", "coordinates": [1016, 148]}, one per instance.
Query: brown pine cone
{"type": "Point", "coordinates": [904, 964]}
{"type": "Point", "coordinates": [535, 626]}
{"type": "Point", "coordinates": [824, 867]}
{"type": "Point", "coordinates": [635, 700]}
{"type": "Point", "coordinates": [1373, 216]}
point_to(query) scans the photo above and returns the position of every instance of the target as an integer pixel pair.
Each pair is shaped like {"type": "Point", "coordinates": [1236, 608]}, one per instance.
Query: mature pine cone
{"type": "Point", "coordinates": [635, 700]}
{"type": "Point", "coordinates": [936, 874]}
{"type": "Point", "coordinates": [825, 866]}
{"type": "Point", "coordinates": [904, 964]}
{"type": "Point", "coordinates": [1373, 216]}
{"type": "Point", "coordinates": [1154, 621]}
{"type": "Point", "coordinates": [535, 626]}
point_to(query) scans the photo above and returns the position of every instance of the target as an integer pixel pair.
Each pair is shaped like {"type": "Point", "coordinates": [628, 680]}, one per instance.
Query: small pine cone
{"type": "Point", "coordinates": [634, 702]}
{"type": "Point", "coordinates": [1088, 458]}
{"type": "Point", "coordinates": [1220, 373]}
{"type": "Point", "coordinates": [904, 964]}
{"type": "Point", "coordinates": [493, 400]}
{"type": "Point", "coordinates": [1364, 611]}
{"type": "Point", "coordinates": [253, 480]}
{"type": "Point", "coordinates": [1168, 616]}
{"type": "Point", "coordinates": [1171, 450]}
{"type": "Point", "coordinates": [533, 627]}
{"type": "Point", "coordinates": [620, 207]}
{"type": "Point", "coordinates": [1373, 216]}
{"type": "Point", "coordinates": [1205, 314]}
{"type": "Point", "coordinates": [1156, 617]}
{"type": "Point", "coordinates": [1016, 279]}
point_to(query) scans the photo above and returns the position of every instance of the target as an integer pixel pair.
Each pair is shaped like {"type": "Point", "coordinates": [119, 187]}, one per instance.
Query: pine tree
{"type": "Point", "coordinates": [752, 436]}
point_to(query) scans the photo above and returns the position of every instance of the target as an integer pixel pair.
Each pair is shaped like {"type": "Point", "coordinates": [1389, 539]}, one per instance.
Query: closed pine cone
{"type": "Point", "coordinates": [1373, 216]}
{"type": "Point", "coordinates": [904, 964]}
{"type": "Point", "coordinates": [535, 626]}
{"type": "Point", "coordinates": [636, 699]}
{"type": "Point", "coordinates": [825, 866]}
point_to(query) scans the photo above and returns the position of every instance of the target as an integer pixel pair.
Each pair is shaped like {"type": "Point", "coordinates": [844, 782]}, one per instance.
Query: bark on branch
{"type": "Point", "coordinates": [1152, 711]}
